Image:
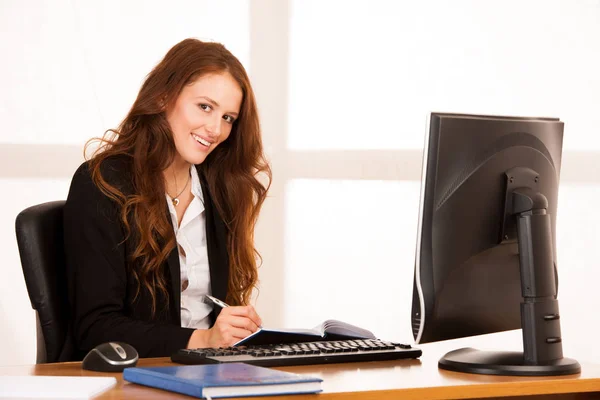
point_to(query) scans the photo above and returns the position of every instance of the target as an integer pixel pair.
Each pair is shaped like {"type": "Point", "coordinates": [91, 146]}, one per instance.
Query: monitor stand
{"type": "Point", "coordinates": [504, 363]}
{"type": "Point", "coordinates": [540, 320]}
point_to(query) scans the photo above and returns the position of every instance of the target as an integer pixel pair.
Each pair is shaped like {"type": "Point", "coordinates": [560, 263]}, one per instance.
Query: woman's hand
{"type": "Point", "coordinates": [232, 325]}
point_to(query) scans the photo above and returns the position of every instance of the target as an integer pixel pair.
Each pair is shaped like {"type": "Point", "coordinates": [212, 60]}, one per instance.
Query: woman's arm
{"type": "Point", "coordinates": [97, 273]}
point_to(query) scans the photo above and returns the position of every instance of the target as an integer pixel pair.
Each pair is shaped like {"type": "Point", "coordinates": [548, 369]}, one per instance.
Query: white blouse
{"type": "Point", "coordinates": [193, 260]}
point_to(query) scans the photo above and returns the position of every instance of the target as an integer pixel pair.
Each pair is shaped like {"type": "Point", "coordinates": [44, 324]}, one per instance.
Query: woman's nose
{"type": "Point", "coordinates": [214, 126]}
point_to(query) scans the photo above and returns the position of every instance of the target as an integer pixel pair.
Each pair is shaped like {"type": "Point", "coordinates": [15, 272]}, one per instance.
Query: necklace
{"type": "Point", "coordinates": [175, 199]}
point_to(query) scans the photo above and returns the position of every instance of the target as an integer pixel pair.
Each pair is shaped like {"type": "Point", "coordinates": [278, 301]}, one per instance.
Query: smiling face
{"type": "Point", "coordinates": [202, 116]}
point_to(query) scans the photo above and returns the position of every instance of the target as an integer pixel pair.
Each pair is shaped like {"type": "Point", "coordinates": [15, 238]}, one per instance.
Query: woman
{"type": "Point", "coordinates": [164, 212]}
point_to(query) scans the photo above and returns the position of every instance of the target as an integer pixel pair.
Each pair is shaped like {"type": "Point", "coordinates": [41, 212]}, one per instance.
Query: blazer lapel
{"type": "Point", "coordinates": [216, 242]}
{"type": "Point", "coordinates": [175, 274]}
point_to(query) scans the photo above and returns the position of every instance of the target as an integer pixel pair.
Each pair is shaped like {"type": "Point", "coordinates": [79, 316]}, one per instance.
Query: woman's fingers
{"type": "Point", "coordinates": [239, 333]}
{"type": "Point", "coordinates": [242, 323]}
{"type": "Point", "coordinates": [243, 311]}
{"type": "Point", "coordinates": [236, 322]}
{"type": "Point", "coordinates": [227, 335]}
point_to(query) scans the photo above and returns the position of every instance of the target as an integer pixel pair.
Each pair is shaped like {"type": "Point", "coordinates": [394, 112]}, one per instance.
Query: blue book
{"type": "Point", "coordinates": [223, 380]}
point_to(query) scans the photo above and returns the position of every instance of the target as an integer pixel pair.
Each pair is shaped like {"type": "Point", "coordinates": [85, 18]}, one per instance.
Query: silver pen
{"type": "Point", "coordinates": [208, 299]}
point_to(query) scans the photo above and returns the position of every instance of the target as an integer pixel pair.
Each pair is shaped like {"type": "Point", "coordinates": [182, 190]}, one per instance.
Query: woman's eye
{"type": "Point", "coordinates": [205, 107]}
{"type": "Point", "coordinates": [228, 118]}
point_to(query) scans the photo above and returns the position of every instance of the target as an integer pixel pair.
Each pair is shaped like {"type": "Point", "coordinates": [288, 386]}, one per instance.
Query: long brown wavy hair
{"type": "Point", "coordinates": [232, 170]}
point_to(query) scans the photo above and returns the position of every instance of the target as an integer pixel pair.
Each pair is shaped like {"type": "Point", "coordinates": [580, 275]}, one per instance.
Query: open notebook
{"type": "Point", "coordinates": [53, 387]}
{"type": "Point", "coordinates": [330, 329]}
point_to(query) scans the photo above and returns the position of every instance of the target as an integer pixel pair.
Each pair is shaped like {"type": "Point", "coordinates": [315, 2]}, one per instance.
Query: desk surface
{"type": "Point", "coordinates": [406, 379]}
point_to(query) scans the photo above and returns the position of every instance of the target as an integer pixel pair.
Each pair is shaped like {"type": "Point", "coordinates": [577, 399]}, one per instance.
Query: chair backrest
{"type": "Point", "coordinates": [41, 247]}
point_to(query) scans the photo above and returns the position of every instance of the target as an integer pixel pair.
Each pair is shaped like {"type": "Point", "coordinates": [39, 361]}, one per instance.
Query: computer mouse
{"type": "Point", "coordinates": [110, 357]}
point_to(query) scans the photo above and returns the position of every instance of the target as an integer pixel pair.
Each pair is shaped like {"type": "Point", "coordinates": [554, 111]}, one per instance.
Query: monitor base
{"type": "Point", "coordinates": [504, 363]}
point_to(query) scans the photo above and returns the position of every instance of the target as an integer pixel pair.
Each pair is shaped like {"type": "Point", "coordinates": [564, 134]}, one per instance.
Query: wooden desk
{"type": "Point", "coordinates": [407, 379]}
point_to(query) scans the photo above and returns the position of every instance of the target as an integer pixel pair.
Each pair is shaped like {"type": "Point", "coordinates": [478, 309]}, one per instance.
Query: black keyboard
{"type": "Point", "coordinates": [324, 352]}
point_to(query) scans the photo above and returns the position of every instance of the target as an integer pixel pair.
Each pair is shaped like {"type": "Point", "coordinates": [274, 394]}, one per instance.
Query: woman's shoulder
{"type": "Point", "coordinates": [115, 170]}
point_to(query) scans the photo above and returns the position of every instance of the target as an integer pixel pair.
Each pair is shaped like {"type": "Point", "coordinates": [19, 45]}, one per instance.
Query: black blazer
{"type": "Point", "coordinates": [101, 286]}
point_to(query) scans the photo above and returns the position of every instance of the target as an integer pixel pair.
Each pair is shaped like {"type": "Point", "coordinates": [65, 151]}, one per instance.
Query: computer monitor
{"type": "Point", "coordinates": [486, 254]}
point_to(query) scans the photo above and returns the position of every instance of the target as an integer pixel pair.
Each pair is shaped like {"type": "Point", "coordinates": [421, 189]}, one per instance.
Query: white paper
{"type": "Point", "coordinates": [53, 387]}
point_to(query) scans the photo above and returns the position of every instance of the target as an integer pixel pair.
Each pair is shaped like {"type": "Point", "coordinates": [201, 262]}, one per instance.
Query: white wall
{"type": "Point", "coordinates": [343, 88]}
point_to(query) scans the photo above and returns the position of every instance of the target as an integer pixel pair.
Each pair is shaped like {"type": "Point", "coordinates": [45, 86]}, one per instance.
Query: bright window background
{"type": "Point", "coordinates": [578, 236]}
{"type": "Point", "coordinates": [363, 75]}
{"type": "Point", "coordinates": [349, 247]}
{"type": "Point", "coordinates": [77, 65]}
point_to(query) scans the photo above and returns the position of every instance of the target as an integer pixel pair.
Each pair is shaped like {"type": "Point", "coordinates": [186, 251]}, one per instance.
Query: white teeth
{"type": "Point", "coordinates": [201, 141]}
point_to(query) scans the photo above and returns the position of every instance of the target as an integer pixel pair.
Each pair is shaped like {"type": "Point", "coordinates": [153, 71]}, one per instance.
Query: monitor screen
{"type": "Point", "coordinates": [485, 259]}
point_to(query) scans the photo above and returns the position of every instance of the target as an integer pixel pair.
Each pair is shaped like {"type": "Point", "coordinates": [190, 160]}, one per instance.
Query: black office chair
{"type": "Point", "coordinates": [41, 246]}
